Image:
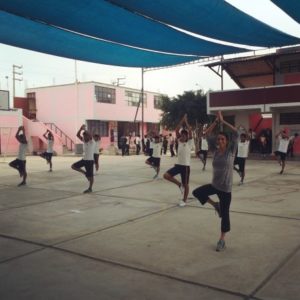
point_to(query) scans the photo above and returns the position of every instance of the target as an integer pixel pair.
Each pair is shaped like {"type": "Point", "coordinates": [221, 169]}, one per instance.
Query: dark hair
{"type": "Point", "coordinates": [224, 134]}
{"type": "Point", "coordinates": [243, 135]}
{"type": "Point", "coordinates": [183, 131]}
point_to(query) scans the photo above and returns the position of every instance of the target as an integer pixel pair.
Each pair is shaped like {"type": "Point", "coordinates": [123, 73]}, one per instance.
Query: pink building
{"type": "Point", "coordinates": [106, 109]}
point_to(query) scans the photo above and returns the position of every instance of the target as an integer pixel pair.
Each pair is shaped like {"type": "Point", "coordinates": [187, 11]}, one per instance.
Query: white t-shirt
{"type": "Point", "coordinates": [151, 144]}
{"type": "Point", "coordinates": [88, 149]}
{"type": "Point", "coordinates": [157, 150]}
{"type": "Point", "coordinates": [283, 145]}
{"type": "Point", "coordinates": [184, 152]}
{"type": "Point", "coordinates": [204, 144]}
{"type": "Point", "coordinates": [137, 140]}
{"type": "Point", "coordinates": [96, 147]}
{"type": "Point", "coordinates": [171, 140]}
{"type": "Point", "coordinates": [243, 148]}
{"type": "Point", "coordinates": [22, 151]}
{"type": "Point", "coordinates": [50, 146]}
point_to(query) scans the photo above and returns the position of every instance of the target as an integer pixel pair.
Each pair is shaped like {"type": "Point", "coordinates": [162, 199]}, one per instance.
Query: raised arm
{"type": "Point", "coordinates": [189, 128]}
{"type": "Point", "coordinates": [45, 134]}
{"type": "Point", "coordinates": [82, 128]}
{"type": "Point", "coordinates": [179, 126]}
{"type": "Point", "coordinates": [21, 128]}
{"type": "Point", "coordinates": [209, 130]}
{"type": "Point", "coordinates": [220, 117]}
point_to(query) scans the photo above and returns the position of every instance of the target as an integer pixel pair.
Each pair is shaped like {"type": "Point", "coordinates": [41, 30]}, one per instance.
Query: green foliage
{"type": "Point", "coordinates": [192, 103]}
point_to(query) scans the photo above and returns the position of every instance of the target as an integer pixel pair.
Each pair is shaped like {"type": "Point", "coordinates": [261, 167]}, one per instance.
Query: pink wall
{"type": "Point", "coordinates": [35, 131]}
{"type": "Point", "coordinates": [10, 120]}
{"type": "Point", "coordinates": [69, 106]}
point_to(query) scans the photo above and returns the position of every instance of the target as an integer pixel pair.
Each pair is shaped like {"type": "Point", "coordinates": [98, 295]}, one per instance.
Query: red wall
{"type": "Point", "coordinates": [255, 118]}
{"type": "Point", "coordinates": [22, 103]}
{"type": "Point", "coordinates": [276, 94]}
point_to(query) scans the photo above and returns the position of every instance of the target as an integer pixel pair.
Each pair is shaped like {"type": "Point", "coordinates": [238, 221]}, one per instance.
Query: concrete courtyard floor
{"type": "Point", "coordinates": [130, 240]}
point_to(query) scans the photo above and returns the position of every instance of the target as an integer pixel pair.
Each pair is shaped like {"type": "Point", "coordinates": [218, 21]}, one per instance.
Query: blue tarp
{"type": "Point", "coordinates": [101, 19]}
{"type": "Point", "coordinates": [134, 33]}
{"type": "Point", "coordinates": [291, 7]}
{"type": "Point", "coordinates": [212, 18]}
{"type": "Point", "coordinates": [24, 33]}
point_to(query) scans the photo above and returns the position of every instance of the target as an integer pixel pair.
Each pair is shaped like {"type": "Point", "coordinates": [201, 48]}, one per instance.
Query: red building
{"type": "Point", "coordinates": [269, 94]}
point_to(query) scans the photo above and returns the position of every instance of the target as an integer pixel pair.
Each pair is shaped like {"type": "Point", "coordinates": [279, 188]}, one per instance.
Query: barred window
{"type": "Point", "coordinates": [291, 66]}
{"type": "Point", "coordinates": [289, 118]}
{"type": "Point", "coordinates": [133, 98]}
{"type": "Point", "coordinates": [157, 101]}
{"type": "Point", "coordinates": [97, 126]}
{"type": "Point", "coordinates": [105, 95]}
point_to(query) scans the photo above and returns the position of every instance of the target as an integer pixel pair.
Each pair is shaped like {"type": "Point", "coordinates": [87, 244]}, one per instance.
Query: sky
{"type": "Point", "coordinates": [44, 70]}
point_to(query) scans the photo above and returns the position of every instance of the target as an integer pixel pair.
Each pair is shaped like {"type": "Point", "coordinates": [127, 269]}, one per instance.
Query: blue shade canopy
{"type": "Point", "coordinates": [212, 18]}
{"type": "Point", "coordinates": [51, 40]}
{"type": "Point", "coordinates": [101, 19]}
{"type": "Point", "coordinates": [291, 7]}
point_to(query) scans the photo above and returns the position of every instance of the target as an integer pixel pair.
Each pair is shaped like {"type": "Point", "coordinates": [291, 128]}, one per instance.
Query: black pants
{"type": "Point", "coordinates": [172, 150]}
{"type": "Point", "coordinates": [203, 192]}
{"type": "Point", "coordinates": [138, 149]}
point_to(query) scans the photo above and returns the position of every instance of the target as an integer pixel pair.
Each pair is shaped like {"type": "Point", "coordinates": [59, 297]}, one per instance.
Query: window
{"type": "Point", "coordinates": [133, 98]}
{"type": "Point", "coordinates": [289, 118]}
{"type": "Point", "coordinates": [105, 95]}
{"type": "Point", "coordinates": [157, 101]}
{"type": "Point", "coordinates": [292, 66]}
{"type": "Point", "coordinates": [30, 95]}
{"type": "Point", "coordinates": [97, 126]}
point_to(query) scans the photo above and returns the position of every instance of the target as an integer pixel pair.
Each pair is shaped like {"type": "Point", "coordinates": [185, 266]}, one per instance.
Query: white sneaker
{"type": "Point", "coordinates": [182, 203]}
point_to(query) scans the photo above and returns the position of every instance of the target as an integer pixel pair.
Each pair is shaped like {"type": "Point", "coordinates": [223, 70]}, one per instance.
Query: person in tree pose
{"type": "Point", "coordinates": [20, 162]}
{"type": "Point", "coordinates": [283, 139]}
{"type": "Point", "coordinates": [154, 160]}
{"type": "Point", "coordinates": [241, 156]}
{"type": "Point", "coordinates": [88, 158]}
{"type": "Point", "coordinates": [49, 152]}
{"type": "Point", "coordinates": [223, 150]}
{"type": "Point", "coordinates": [185, 143]}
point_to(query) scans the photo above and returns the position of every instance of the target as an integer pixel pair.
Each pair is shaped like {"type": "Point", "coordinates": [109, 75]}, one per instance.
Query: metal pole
{"type": "Point", "coordinates": [222, 77]}
{"type": "Point", "coordinates": [142, 95]}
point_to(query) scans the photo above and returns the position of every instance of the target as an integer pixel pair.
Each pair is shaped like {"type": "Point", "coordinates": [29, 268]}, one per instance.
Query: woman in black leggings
{"type": "Point", "coordinates": [224, 151]}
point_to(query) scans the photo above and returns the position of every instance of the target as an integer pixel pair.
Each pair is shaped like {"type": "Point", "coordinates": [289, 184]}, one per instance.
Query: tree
{"type": "Point", "coordinates": [192, 103]}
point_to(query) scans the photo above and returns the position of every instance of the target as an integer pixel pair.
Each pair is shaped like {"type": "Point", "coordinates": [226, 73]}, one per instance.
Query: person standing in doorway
{"type": "Point", "coordinates": [49, 152]}
{"type": "Point", "coordinates": [20, 162]}
{"type": "Point", "coordinates": [223, 150]}
{"type": "Point", "coordinates": [88, 158]}
{"type": "Point", "coordinates": [185, 144]}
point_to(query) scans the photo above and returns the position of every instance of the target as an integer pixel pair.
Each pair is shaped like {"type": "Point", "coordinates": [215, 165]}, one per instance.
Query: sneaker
{"type": "Point", "coordinates": [217, 209]}
{"type": "Point", "coordinates": [241, 183]}
{"type": "Point", "coordinates": [182, 203]}
{"type": "Point", "coordinates": [89, 190]}
{"type": "Point", "coordinates": [220, 246]}
{"type": "Point", "coordinates": [22, 183]}
{"type": "Point", "coordinates": [281, 172]}
{"type": "Point", "coordinates": [181, 189]}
